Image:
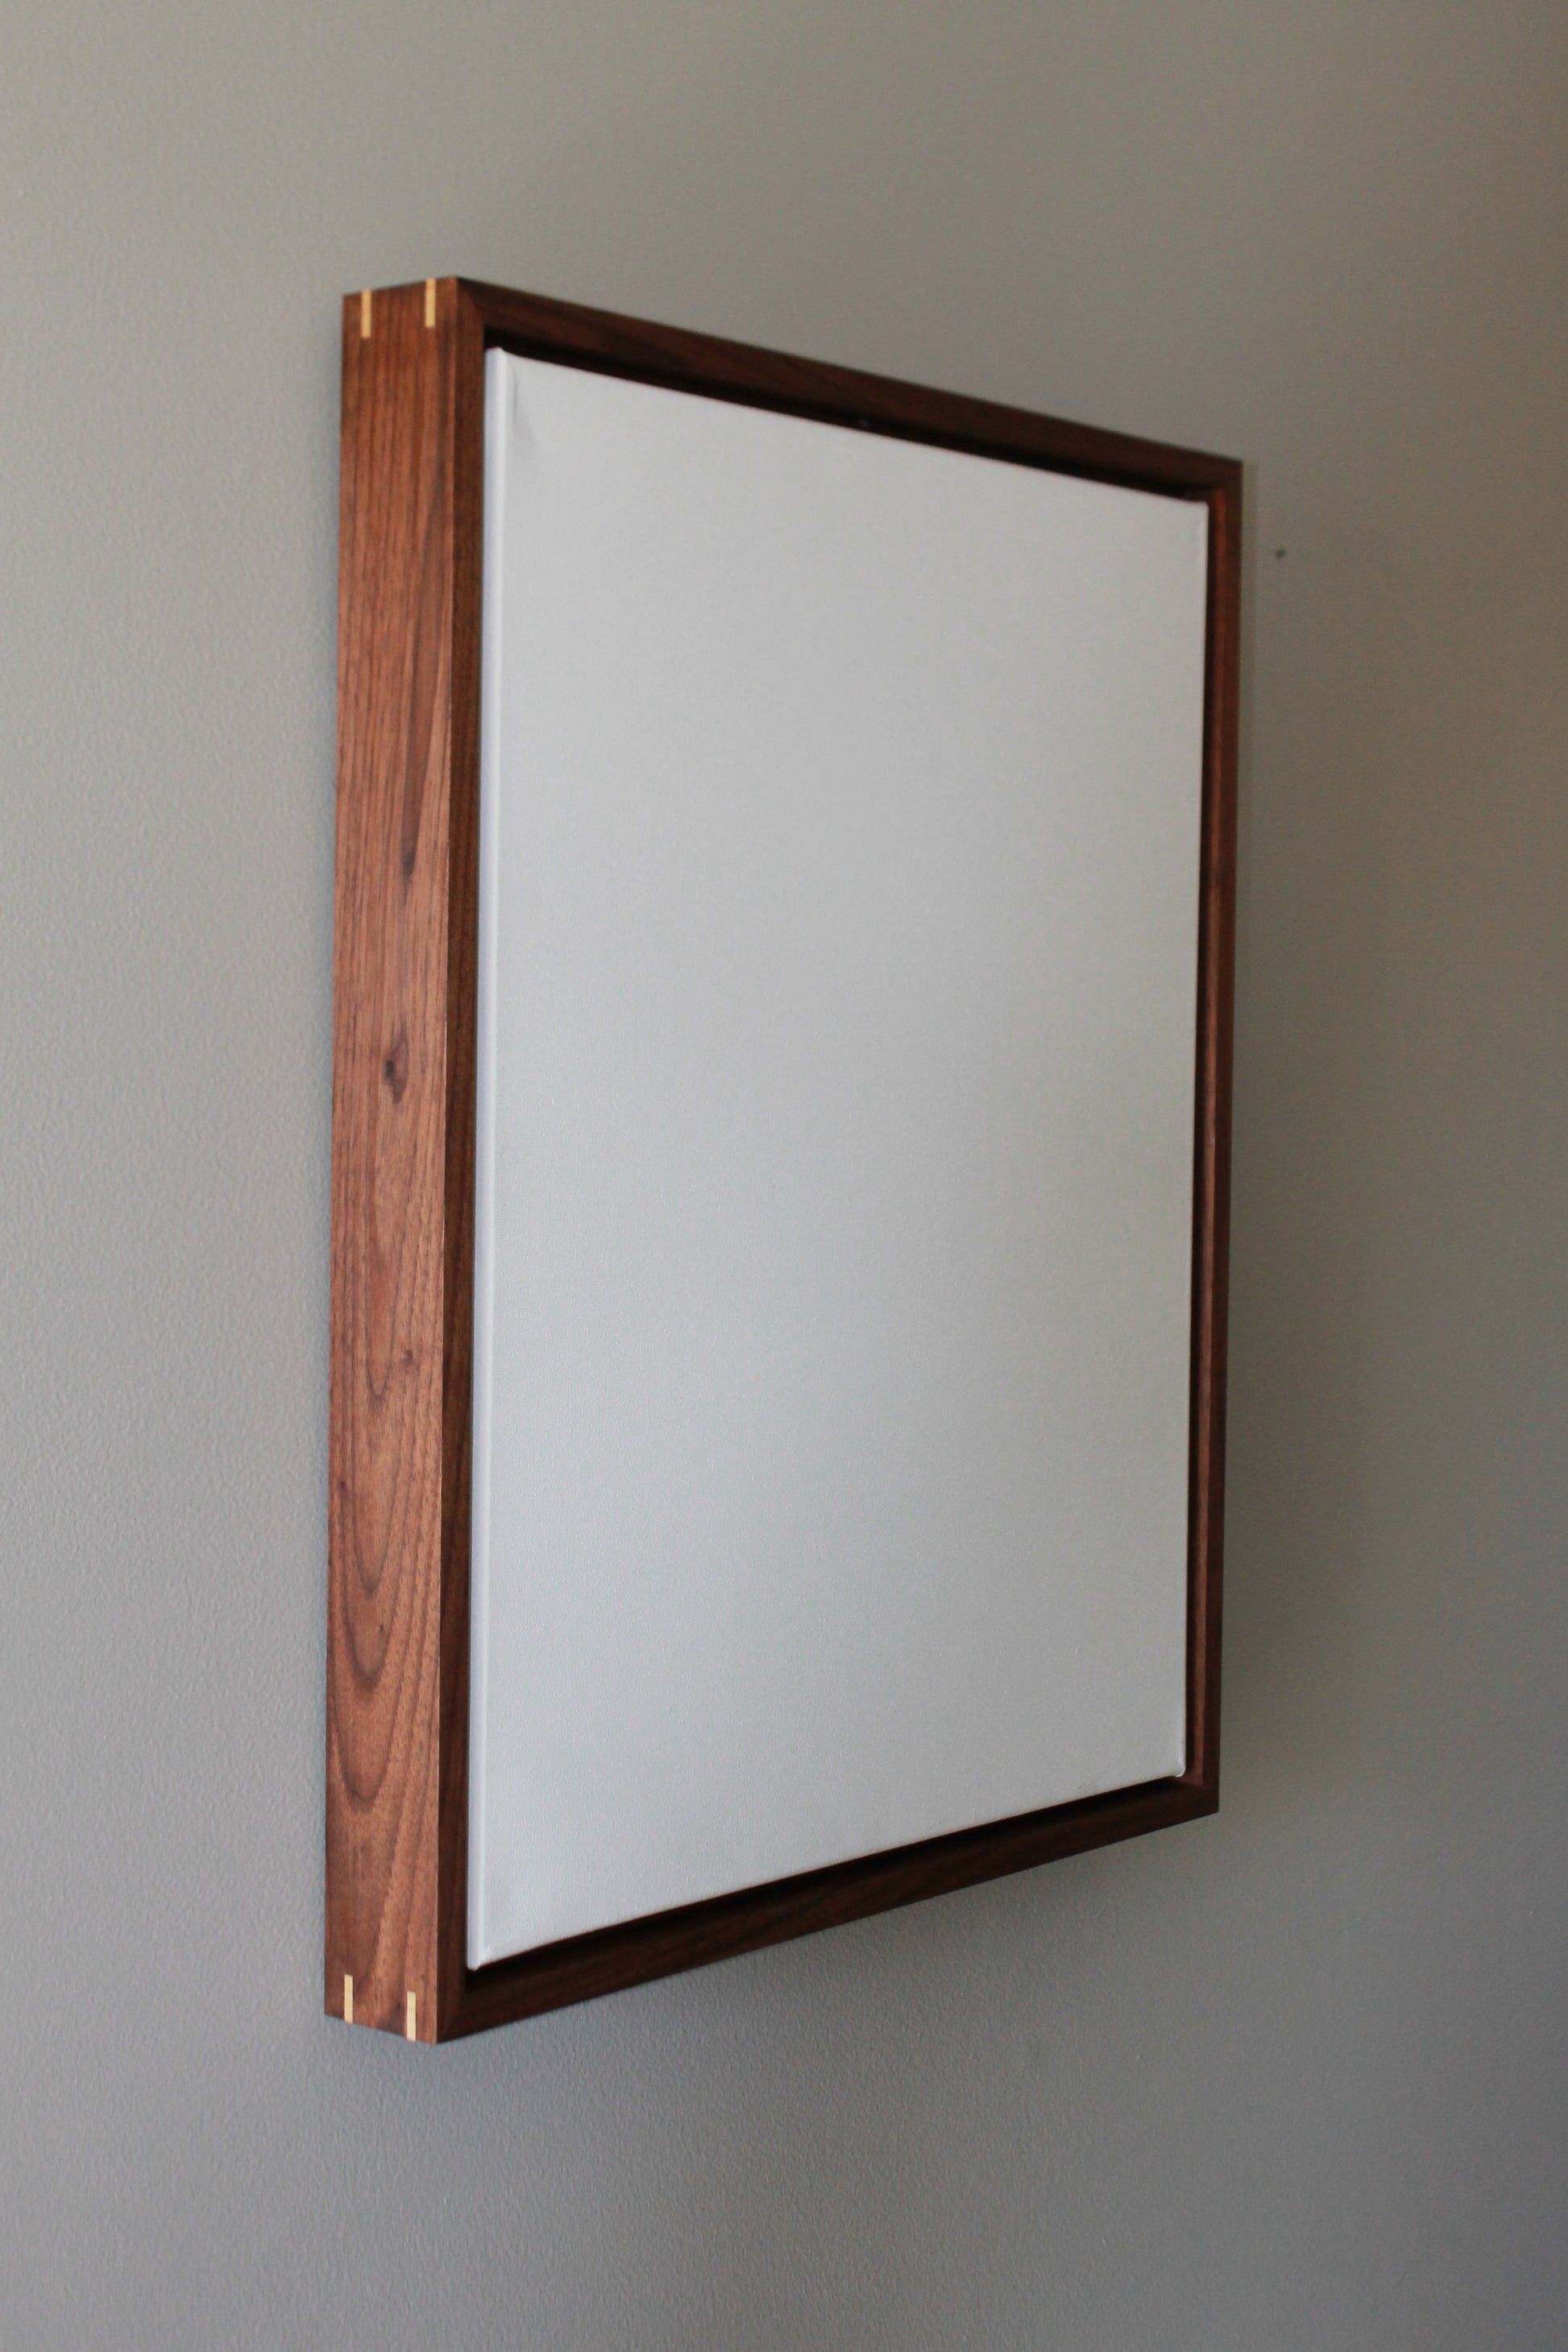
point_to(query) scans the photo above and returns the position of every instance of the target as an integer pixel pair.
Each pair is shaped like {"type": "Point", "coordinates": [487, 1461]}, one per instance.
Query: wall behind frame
{"type": "Point", "coordinates": [1293, 2076]}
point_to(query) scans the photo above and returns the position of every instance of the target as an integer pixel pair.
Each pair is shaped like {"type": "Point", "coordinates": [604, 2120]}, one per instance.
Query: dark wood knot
{"type": "Point", "coordinates": [395, 1069]}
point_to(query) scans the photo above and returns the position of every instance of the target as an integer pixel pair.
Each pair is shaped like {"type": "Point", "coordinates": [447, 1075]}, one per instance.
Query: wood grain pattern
{"type": "Point", "coordinates": [391, 1505]}
{"type": "Point", "coordinates": [402, 1155]}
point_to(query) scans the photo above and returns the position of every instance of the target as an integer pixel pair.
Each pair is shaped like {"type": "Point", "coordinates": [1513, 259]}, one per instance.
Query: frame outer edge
{"type": "Point", "coordinates": [389, 1500]}
{"type": "Point", "coordinates": [1213, 1129]}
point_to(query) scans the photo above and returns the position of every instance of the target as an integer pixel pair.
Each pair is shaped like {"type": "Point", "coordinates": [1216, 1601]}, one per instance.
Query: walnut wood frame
{"type": "Point", "coordinates": [403, 1156]}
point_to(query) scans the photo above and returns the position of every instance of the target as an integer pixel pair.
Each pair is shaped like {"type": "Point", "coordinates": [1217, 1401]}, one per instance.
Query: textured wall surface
{"type": "Point", "coordinates": [1297, 2077]}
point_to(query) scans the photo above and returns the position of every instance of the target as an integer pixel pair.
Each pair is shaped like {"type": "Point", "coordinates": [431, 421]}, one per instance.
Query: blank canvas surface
{"type": "Point", "coordinates": [839, 905]}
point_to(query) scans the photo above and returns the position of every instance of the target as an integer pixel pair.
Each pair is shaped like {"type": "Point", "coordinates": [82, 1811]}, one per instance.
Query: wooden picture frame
{"type": "Point", "coordinates": [406, 968]}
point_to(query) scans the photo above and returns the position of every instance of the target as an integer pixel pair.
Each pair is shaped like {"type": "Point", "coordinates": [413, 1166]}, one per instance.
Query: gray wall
{"type": "Point", "coordinates": [1295, 2077]}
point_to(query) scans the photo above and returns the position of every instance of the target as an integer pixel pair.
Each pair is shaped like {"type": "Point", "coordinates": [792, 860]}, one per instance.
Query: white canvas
{"type": "Point", "coordinates": [840, 887]}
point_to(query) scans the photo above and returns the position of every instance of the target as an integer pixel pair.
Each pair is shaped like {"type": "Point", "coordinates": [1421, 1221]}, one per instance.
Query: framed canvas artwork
{"type": "Point", "coordinates": [781, 1033]}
